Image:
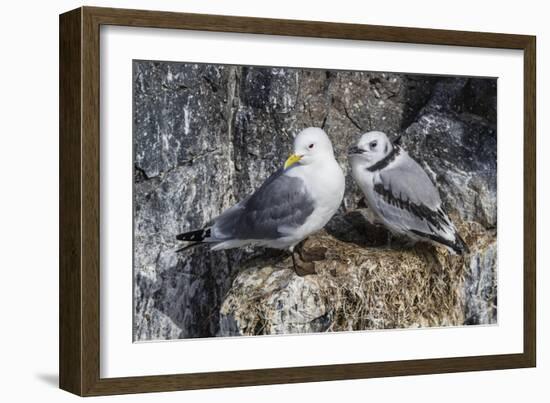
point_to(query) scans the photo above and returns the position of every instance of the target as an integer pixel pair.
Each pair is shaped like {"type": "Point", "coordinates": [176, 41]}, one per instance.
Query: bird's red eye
{"type": "Point", "coordinates": [311, 145]}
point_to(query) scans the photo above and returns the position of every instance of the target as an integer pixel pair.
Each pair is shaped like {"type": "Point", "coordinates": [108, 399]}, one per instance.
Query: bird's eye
{"type": "Point", "coordinates": [311, 145]}
{"type": "Point", "coordinates": [373, 145]}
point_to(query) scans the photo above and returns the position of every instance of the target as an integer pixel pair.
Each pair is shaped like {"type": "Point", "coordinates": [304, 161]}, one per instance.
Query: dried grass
{"type": "Point", "coordinates": [355, 288]}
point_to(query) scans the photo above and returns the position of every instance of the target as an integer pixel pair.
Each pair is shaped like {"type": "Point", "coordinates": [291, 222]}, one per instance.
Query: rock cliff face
{"type": "Point", "coordinates": [206, 136]}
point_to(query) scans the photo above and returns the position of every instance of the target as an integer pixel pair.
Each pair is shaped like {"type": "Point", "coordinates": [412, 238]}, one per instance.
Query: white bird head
{"type": "Point", "coordinates": [311, 145]}
{"type": "Point", "coordinates": [371, 148]}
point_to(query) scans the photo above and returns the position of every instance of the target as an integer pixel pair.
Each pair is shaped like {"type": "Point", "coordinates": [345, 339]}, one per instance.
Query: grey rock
{"type": "Point", "coordinates": [480, 286]}
{"type": "Point", "coordinates": [178, 113]}
{"type": "Point", "coordinates": [206, 136]}
{"type": "Point", "coordinates": [459, 150]}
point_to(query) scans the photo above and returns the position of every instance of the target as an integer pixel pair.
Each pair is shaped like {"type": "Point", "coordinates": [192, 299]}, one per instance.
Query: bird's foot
{"type": "Point", "coordinates": [302, 267]}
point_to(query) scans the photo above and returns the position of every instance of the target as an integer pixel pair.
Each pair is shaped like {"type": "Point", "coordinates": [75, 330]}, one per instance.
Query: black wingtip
{"type": "Point", "coordinates": [194, 236]}
{"type": "Point", "coordinates": [460, 247]}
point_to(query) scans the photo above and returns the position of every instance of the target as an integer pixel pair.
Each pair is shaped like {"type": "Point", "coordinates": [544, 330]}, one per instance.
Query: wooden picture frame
{"type": "Point", "coordinates": [79, 349]}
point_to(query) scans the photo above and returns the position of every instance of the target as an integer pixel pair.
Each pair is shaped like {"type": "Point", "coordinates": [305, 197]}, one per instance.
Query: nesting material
{"type": "Point", "coordinates": [362, 288]}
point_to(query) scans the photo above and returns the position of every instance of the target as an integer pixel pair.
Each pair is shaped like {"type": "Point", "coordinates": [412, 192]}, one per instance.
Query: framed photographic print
{"type": "Point", "coordinates": [249, 201]}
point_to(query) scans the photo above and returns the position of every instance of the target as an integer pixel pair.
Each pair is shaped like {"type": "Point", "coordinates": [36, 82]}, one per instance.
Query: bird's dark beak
{"type": "Point", "coordinates": [354, 150]}
{"type": "Point", "coordinates": [397, 141]}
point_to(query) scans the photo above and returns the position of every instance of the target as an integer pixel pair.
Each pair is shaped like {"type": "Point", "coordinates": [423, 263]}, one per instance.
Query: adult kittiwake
{"type": "Point", "coordinates": [294, 202]}
{"type": "Point", "coordinates": [400, 193]}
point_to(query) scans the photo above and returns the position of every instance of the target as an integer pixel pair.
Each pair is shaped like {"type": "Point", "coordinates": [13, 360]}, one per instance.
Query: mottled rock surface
{"type": "Point", "coordinates": [206, 136]}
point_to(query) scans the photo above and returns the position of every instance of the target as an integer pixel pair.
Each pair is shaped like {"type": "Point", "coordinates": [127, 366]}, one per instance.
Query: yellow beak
{"type": "Point", "coordinates": [293, 159]}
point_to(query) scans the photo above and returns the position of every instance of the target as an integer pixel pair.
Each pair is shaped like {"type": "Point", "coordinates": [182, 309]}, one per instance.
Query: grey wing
{"type": "Point", "coordinates": [408, 200]}
{"type": "Point", "coordinates": [281, 202]}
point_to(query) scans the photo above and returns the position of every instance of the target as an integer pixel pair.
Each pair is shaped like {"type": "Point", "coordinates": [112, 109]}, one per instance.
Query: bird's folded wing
{"type": "Point", "coordinates": [281, 202]}
{"type": "Point", "coordinates": [407, 198]}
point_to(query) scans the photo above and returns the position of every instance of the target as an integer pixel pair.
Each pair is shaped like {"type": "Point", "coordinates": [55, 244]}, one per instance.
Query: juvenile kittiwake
{"type": "Point", "coordinates": [400, 193]}
{"type": "Point", "coordinates": [294, 202]}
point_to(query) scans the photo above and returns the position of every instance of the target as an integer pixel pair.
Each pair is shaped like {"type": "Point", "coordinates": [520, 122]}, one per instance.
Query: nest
{"type": "Point", "coordinates": [356, 287]}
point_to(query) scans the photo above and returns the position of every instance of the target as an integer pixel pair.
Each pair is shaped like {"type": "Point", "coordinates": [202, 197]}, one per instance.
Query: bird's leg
{"type": "Point", "coordinates": [301, 267]}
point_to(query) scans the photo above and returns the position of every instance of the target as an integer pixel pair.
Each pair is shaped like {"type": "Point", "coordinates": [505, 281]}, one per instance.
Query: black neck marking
{"type": "Point", "coordinates": [384, 162]}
